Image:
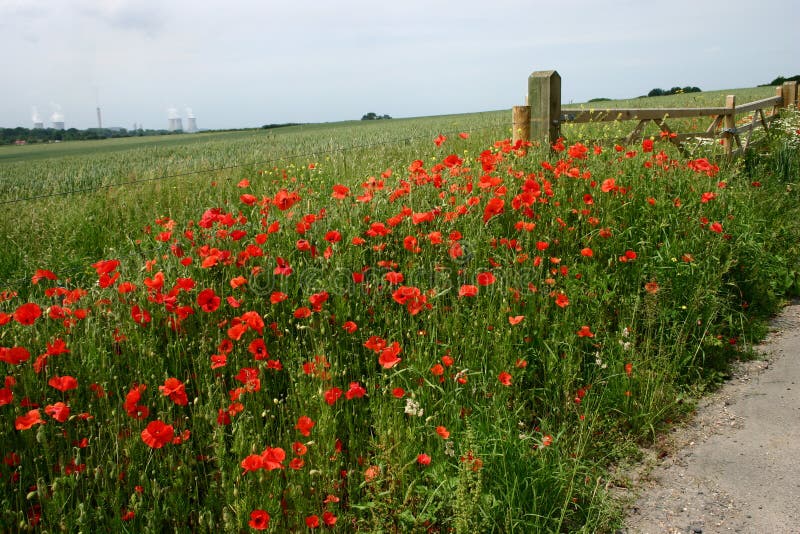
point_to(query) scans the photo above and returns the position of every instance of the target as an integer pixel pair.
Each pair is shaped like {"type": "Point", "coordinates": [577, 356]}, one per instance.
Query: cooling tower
{"type": "Point", "coordinates": [57, 118]}
{"type": "Point", "coordinates": [175, 125]}
{"type": "Point", "coordinates": [38, 125]}
{"type": "Point", "coordinates": [191, 124]}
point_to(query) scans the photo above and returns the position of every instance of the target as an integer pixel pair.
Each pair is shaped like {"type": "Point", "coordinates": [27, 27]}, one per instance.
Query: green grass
{"type": "Point", "coordinates": [605, 285]}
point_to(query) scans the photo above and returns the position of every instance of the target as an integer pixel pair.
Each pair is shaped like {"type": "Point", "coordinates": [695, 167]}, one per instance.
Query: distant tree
{"type": "Point", "coordinates": [371, 116]}
{"type": "Point", "coordinates": [780, 80]}
{"type": "Point", "coordinates": [600, 99]}
{"type": "Point", "coordinates": [674, 91]}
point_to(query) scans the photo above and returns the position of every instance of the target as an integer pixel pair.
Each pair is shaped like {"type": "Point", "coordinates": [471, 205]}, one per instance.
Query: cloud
{"type": "Point", "coordinates": [140, 16]}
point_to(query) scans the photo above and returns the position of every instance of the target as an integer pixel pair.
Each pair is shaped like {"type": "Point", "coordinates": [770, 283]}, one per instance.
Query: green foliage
{"type": "Point", "coordinates": [371, 116]}
{"type": "Point", "coordinates": [674, 91]}
{"type": "Point", "coordinates": [608, 284]}
{"type": "Point", "coordinates": [780, 80]}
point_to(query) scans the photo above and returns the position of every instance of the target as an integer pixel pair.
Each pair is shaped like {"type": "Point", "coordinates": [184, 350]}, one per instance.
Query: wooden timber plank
{"type": "Point", "coordinates": [758, 104]}
{"type": "Point", "coordinates": [606, 115]}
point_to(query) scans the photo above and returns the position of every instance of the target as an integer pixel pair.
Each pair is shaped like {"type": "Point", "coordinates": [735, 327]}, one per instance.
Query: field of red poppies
{"type": "Point", "coordinates": [464, 342]}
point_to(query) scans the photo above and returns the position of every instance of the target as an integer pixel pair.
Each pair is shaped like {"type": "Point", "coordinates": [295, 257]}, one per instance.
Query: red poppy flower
{"type": "Point", "coordinates": [43, 273]}
{"type": "Point", "coordinates": [328, 518]}
{"type": "Point", "coordinates": [259, 520]}
{"type": "Point", "coordinates": [389, 356]}
{"type": "Point", "coordinates": [398, 393]}
{"type": "Point", "coordinates": [394, 277]}
{"type": "Point", "coordinates": [318, 299]}
{"type": "Point", "coordinates": [302, 312]}
{"type": "Point", "coordinates": [493, 207]}
{"type": "Point", "coordinates": [423, 459]}
{"type": "Point", "coordinates": [6, 396]}
{"type": "Point", "coordinates": [105, 266]}
{"type": "Point", "coordinates": [157, 434]}
{"type": "Point", "coordinates": [332, 395]}
{"type": "Point", "coordinates": [27, 313]}
{"type": "Point", "coordinates": [443, 432]}
{"type": "Point", "coordinates": [24, 422]}
{"type": "Point", "coordinates": [304, 425]}
{"type": "Point", "coordinates": [585, 331]}
{"type": "Point", "coordinates": [258, 349]}
{"type": "Point", "coordinates": [356, 391]}
{"type": "Point", "coordinates": [715, 227]}
{"type": "Point", "coordinates": [439, 140]}
{"type": "Point", "coordinates": [375, 343]}
{"type": "Point", "coordinates": [468, 291]}
{"type": "Point", "coordinates": [284, 199]}
{"type": "Point", "coordinates": [609, 185]}
{"type": "Point", "coordinates": [14, 355]}
{"type": "Point", "coordinates": [628, 369]}
{"type": "Point", "coordinates": [350, 327]}
{"type": "Point", "coordinates": [132, 406]}
{"type": "Point", "coordinates": [208, 300]}
{"type": "Point", "coordinates": [562, 301]}
{"type": "Point", "coordinates": [175, 390]}
{"type": "Point", "coordinates": [140, 315]}
{"type": "Point", "coordinates": [58, 411]}
{"type": "Point", "coordinates": [63, 383]}
{"type": "Point", "coordinates": [515, 319]}
{"type": "Point", "coordinates": [486, 279]}
{"type": "Point", "coordinates": [251, 463]}
{"type": "Point", "coordinates": [504, 378]}
{"type": "Point", "coordinates": [340, 192]}
{"type": "Point", "coordinates": [312, 521]}
{"type": "Point", "coordinates": [272, 458]}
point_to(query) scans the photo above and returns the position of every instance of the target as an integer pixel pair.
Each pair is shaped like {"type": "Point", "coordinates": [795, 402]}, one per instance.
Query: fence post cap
{"type": "Point", "coordinates": [544, 74]}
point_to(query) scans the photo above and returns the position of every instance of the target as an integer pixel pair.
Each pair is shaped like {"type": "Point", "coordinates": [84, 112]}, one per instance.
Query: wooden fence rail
{"type": "Point", "coordinates": [546, 116]}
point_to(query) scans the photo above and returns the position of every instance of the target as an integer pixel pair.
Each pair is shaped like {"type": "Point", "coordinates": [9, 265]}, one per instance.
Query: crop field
{"type": "Point", "coordinates": [398, 326]}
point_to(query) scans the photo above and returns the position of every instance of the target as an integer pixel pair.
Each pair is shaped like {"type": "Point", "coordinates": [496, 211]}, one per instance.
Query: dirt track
{"type": "Point", "coordinates": [736, 466]}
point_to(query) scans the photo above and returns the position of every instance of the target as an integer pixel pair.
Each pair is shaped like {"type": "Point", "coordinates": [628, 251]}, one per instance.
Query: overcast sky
{"type": "Point", "coordinates": [244, 63]}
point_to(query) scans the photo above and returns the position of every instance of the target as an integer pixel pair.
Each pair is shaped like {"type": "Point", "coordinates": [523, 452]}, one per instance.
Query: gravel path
{"type": "Point", "coordinates": [736, 466]}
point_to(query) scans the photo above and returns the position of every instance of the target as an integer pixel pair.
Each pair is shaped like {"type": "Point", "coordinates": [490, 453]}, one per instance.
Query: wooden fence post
{"type": "Point", "coordinates": [521, 123]}
{"type": "Point", "coordinates": [789, 94]}
{"type": "Point", "coordinates": [730, 124]}
{"type": "Point", "coordinates": [544, 98]}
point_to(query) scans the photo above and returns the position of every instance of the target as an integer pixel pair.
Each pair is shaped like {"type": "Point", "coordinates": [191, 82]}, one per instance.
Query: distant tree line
{"type": "Point", "coordinates": [10, 136]}
{"type": "Point", "coordinates": [674, 91]}
{"type": "Point", "coordinates": [374, 117]}
{"type": "Point", "coordinates": [780, 80]}
{"type": "Point", "coordinates": [281, 125]}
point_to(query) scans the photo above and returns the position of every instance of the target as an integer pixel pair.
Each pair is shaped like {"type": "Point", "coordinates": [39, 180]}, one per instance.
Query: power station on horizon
{"type": "Point", "coordinates": [174, 121]}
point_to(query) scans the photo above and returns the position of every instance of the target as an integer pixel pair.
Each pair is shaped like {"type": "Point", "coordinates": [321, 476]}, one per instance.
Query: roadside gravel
{"type": "Point", "coordinates": [736, 466]}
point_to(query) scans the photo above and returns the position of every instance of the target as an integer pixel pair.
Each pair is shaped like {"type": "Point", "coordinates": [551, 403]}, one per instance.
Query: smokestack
{"type": "Point", "coordinates": [191, 121]}
{"type": "Point", "coordinates": [99, 120]}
